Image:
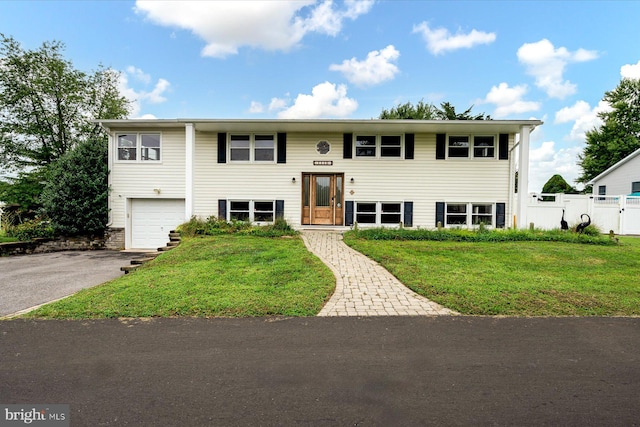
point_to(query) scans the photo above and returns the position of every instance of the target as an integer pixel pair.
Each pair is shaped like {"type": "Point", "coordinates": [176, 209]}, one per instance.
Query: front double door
{"type": "Point", "coordinates": [323, 201]}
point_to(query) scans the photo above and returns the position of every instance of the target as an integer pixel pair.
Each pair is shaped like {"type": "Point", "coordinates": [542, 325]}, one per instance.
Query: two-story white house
{"type": "Point", "coordinates": [314, 173]}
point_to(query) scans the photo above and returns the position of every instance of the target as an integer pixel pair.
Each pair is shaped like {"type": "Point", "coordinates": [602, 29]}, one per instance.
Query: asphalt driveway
{"type": "Point", "coordinates": [30, 280]}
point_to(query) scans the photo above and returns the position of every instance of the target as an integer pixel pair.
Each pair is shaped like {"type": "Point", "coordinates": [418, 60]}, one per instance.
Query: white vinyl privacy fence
{"type": "Point", "coordinates": [618, 213]}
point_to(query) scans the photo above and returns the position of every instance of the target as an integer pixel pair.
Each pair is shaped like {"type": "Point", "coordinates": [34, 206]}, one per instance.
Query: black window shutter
{"type": "Point", "coordinates": [503, 146]}
{"type": "Point", "coordinates": [440, 213]}
{"type": "Point", "coordinates": [409, 145]}
{"type": "Point", "coordinates": [348, 213]}
{"type": "Point", "coordinates": [279, 209]}
{"type": "Point", "coordinates": [347, 146]}
{"type": "Point", "coordinates": [408, 214]}
{"type": "Point", "coordinates": [441, 145]}
{"type": "Point", "coordinates": [500, 215]}
{"type": "Point", "coordinates": [282, 148]}
{"type": "Point", "coordinates": [222, 209]}
{"type": "Point", "coordinates": [222, 147]}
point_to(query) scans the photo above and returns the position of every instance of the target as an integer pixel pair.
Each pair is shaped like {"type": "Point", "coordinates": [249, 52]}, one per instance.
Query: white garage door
{"type": "Point", "coordinates": [153, 219]}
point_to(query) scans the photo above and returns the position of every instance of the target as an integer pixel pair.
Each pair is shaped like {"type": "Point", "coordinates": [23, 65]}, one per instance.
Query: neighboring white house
{"type": "Point", "coordinates": [621, 178]}
{"type": "Point", "coordinates": [314, 173]}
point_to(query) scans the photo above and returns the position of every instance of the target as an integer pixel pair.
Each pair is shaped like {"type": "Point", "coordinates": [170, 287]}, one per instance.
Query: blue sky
{"type": "Point", "coordinates": [548, 60]}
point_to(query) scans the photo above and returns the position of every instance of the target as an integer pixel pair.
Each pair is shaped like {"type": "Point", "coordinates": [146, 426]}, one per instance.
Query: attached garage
{"type": "Point", "coordinates": [152, 220]}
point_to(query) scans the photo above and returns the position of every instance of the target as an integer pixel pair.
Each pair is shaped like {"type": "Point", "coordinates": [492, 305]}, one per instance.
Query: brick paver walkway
{"type": "Point", "coordinates": [363, 287]}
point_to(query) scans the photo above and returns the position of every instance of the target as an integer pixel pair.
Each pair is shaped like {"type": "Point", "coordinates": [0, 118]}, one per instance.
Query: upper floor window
{"type": "Point", "coordinates": [252, 148]}
{"type": "Point", "coordinates": [139, 147]}
{"type": "Point", "coordinates": [464, 146]}
{"type": "Point", "coordinates": [484, 146]}
{"type": "Point", "coordinates": [374, 146]}
{"type": "Point", "coordinates": [635, 187]}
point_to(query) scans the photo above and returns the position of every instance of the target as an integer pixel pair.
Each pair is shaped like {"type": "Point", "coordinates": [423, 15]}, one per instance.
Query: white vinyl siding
{"type": "Point", "coordinates": [423, 180]}
{"type": "Point", "coordinates": [388, 181]}
{"type": "Point", "coordinates": [139, 180]}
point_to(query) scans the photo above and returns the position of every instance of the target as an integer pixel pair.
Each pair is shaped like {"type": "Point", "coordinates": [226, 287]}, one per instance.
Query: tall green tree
{"type": "Point", "coordinates": [47, 106]}
{"type": "Point", "coordinates": [420, 111]}
{"type": "Point", "coordinates": [75, 195]}
{"type": "Point", "coordinates": [618, 136]}
{"type": "Point", "coordinates": [557, 184]}
{"type": "Point", "coordinates": [448, 112]}
{"type": "Point", "coordinates": [424, 111]}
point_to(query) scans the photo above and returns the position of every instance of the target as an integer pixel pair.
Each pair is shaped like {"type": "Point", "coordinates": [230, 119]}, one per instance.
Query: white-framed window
{"type": "Point", "coordinates": [254, 211]}
{"type": "Point", "coordinates": [139, 147]}
{"type": "Point", "coordinates": [378, 213]}
{"type": "Point", "coordinates": [456, 214]}
{"type": "Point", "coordinates": [481, 214]}
{"type": "Point", "coordinates": [462, 214]}
{"type": "Point", "coordinates": [475, 146]}
{"type": "Point", "coordinates": [458, 146]}
{"type": "Point", "coordinates": [378, 146]}
{"type": "Point", "coordinates": [484, 146]}
{"type": "Point", "coordinates": [252, 148]}
{"type": "Point", "coordinates": [366, 212]}
{"type": "Point", "coordinates": [635, 187]}
{"type": "Point", "coordinates": [390, 213]}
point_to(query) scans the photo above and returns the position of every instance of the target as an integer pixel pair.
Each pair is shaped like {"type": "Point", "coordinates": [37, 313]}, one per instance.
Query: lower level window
{"type": "Point", "coordinates": [390, 213]}
{"type": "Point", "coordinates": [239, 211]}
{"type": "Point", "coordinates": [263, 211]}
{"type": "Point", "coordinates": [378, 213]}
{"type": "Point", "coordinates": [456, 214]}
{"type": "Point", "coordinates": [366, 213]}
{"type": "Point", "coordinates": [252, 211]}
{"type": "Point", "coordinates": [459, 214]}
{"type": "Point", "coordinates": [482, 214]}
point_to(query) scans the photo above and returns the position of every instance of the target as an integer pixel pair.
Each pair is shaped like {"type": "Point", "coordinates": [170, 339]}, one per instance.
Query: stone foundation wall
{"type": "Point", "coordinates": [37, 246]}
{"type": "Point", "coordinates": [114, 239]}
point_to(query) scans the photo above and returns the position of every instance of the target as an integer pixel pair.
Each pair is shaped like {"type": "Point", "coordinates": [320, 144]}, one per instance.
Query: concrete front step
{"type": "Point", "coordinates": [129, 268]}
{"type": "Point", "coordinates": [174, 241]}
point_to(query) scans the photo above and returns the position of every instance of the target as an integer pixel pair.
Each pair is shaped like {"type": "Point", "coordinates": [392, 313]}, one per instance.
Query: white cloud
{"type": "Point", "coordinates": [138, 74]}
{"type": "Point", "coordinates": [546, 161]}
{"type": "Point", "coordinates": [440, 40]}
{"type": "Point", "coordinates": [256, 107]}
{"type": "Point", "coordinates": [547, 64]}
{"type": "Point", "coordinates": [277, 104]}
{"type": "Point", "coordinates": [138, 97]}
{"type": "Point", "coordinates": [377, 68]}
{"type": "Point", "coordinates": [226, 26]}
{"type": "Point", "coordinates": [508, 100]}
{"type": "Point", "coordinates": [326, 100]}
{"type": "Point", "coordinates": [584, 117]}
{"type": "Point", "coordinates": [630, 71]}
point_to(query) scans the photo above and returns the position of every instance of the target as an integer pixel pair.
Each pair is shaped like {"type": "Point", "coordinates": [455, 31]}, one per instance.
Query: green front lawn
{"type": "Point", "coordinates": [515, 278]}
{"type": "Point", "coordinates": [226, 275]}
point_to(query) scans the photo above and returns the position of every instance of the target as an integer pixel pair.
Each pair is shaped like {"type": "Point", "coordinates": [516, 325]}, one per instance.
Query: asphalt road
{"type": "Point", "coordinates": [30, 280]}
{"type": "Point", "coordinates": [386, 371]}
